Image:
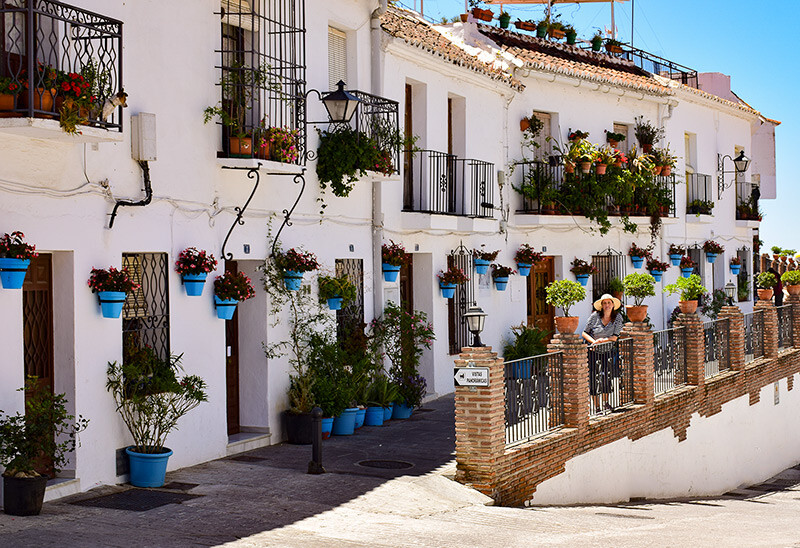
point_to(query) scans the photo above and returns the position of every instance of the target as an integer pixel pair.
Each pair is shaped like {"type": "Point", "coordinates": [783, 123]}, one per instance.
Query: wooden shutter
{"type": "Point", "coordinates": [337, 57]}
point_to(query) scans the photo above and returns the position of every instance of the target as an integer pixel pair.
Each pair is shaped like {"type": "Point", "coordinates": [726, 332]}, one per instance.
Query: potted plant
{"type": "Point", "coordinates": [638, 255]}
{"type": "Point", "coordinates": [500, 276]}
{"type": "Point", "coordinates": [449, 279]}
{"type": "Point", "coordinates": [765, 282]}
{"type": "Point", "coordinates": [411, 388]}
{"type": "Point", "coordinates": [571, 34]}
{"type": "Point", "coordinates": [582, 270]}
{"type": "Point", "coordinates": [504, 18]}
{"type": "Point", "coordinates": [687, 266]}
{"type": "Point", "coordinates": [656, 268]}
{"type": "Point", "coordinates": [712, 249]}
{"type": "Point", "coordinates": [482, 259]}
{"type": "Point", "coordinates": [564, 294]}
{"type": "Point", "coordinates": [646, 133]}
{"type": "Point", "coordinates": [690, 290]}
{"type": "Point", "coordinates": [585, 154]}
{"type": "Point", "coordinates": [525, 258]}
{"type": "Point", "coordinates": [776, 252]}
{"type": "Point", "coordinates": [480, 13]}
{"type": "Point", "coordinates": [791, 279]}
{"type": "Point", "coordinates": [614, 139]}
{"type": "Point", "coordinates": [194, 265]}
{"type": "Point", "coordinates": [277, 143]}
{"type": "Point", "coordinates": [555, 29]}
{"type": "Point", "coordinates": [393, 257]}
{"type": "Point", "coordinates": [525, 25]}
{"type": "Point", "coordinates": [151, 398]}
{"type": "Point", "coordinates": [605, 156]}
{"type": "Point", "coordinates": [74, 101]}
{"type": "Point", "coordinates": [639, 286]}
{"type": "Point", "coordinates": [229, 290]}
{"type": "Point", "coordinates": [597, 41]}
{"type": "Point", "coordinates": [293, 264]}
{"type": "Point", "coordinates": [298, 418]}
{"type": "Point", "coordinates": [577, 135]}
{"type": "Point", "coordinates": [382, 394]}
{"type": "Point", "coordinates": [541, 28]}
{"type": "Point", "coordinates": [44, 435]}
{"type": "Point", "coordinates": [337, 291]}
{"type": "Point", "coordinates": [15, 257]}
{"type": "Point", "coordinates": [675, 253]}
{"type": "Point", "coordinates": [616, 288]}
{"type": "Point", "coordinates": [9, 89]}
{"type": "Point", "coordinates": [736, 265]}
{"type": "Point", "coordinates": [700, 207]}
{"type": "Point", "coordinates": [112, 287]}
{"type": "Point", "coordinates": [668, 161]}
{"type": "Point", "coordinates": [613, 46]}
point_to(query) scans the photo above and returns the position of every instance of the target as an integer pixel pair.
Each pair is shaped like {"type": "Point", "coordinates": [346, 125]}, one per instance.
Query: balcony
{"type": "Point", "coordinates": [700, 200]}
{"type": "Point", "coordinates": [441, 183]}
{"type": "Point", "coordinates": [62, 66]}
{"type": "Point", "coordinates": [747, 197]}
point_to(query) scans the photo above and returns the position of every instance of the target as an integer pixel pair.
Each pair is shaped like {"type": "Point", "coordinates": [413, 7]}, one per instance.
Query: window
{"type": "Point", "coordinates": [145, 314]}
{"type": "Point", "coordinates": [743, 279]}
{"type": "Point", "coordinates": [696, 254]}
{"type": "Point", "coordinates": [458, 334]}
{"type": "Point", "coordinates": [337, 57]}
{"type": "Point", "coordinates": [610, 264]}
{"type": "Point", "coordinates": [625, 145]}
{"type": "Point", "coordinates": [351, 317]}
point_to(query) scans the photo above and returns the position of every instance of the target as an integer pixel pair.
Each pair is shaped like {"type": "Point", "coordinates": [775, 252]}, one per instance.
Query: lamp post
{"type": "Point", "coordinates": [740, 164]}
{"type": "Point", "coordinates": [340, 104]}
{"type": "Point", "coordinates": [730, 291]}
{"type": "Point", "coordinates": [475, 317]}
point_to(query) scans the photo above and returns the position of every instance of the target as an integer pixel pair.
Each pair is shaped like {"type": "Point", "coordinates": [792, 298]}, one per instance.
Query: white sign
{"type": "Point", "coordinates": [471, 376]}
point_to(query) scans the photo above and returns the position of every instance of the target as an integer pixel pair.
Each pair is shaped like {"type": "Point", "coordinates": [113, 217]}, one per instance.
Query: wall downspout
{"type": "Point", "coordinates": [376, 88]}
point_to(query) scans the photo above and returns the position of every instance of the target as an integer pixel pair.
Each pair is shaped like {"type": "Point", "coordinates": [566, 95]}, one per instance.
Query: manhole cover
{"type": "Point", "coordinates": [136, 500]}
{"type": "Point", "coordinates": [386, 464]}
{"type": "Point", "coordinates": [180, 486]}
{"type": "Point", "coordinates": [248, 458]}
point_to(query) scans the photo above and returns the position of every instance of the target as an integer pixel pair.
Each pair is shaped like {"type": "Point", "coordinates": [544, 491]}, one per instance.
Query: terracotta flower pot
{"type": "Point", "coordinates": [639, 313]}
{"type": "Point", "coordinates": [793, 289]}
{"type": "Point", "coordinates": [657, 170]}
{"type": "Point", "coordinates": [464, 17]}
{"type": "Point", "coordinates": [765, 294]}
{"type": "Point", "coordinates": [524, 124]}
{"type": "Point", "coordinates": [586, 167]}
{"type": "Point", "coordinates": [567, 324]}
{"type": "Point", "coordinates": [667, 171]}
{"type": "Point", "coordinates": [569, 167]}
{"type": "Point", "coordinates": [241, 147]}
{"type": "Point", "coordinates": [600, 169]}
{"type": "Point", "coordinates": [688, 307]}
{"type": "Point", "coordinates": [7, 105]}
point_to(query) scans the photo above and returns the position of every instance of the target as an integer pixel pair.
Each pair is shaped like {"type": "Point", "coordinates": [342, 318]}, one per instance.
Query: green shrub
{"type": "Point", "coordinates": [528, 341]}
{"type": "Point", "coordinates": [336, 286]}
{"type": "Point", "coordinates": [791, 277]}
{"type": "Point", "coordinates": [639, 286]}
{"type": "Point", "coordinates": [690, 288]}
{"type": "Point", "coordinates": [766, 280]}
{"type": "Point", "coordinates": [564, 294]}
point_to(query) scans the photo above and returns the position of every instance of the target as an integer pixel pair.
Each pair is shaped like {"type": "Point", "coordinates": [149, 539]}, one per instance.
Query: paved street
{"type": "Point", "coordinates": [265, 498]}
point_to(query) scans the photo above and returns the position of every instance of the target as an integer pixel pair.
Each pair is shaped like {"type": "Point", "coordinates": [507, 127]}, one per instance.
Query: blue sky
{"type": "Point", "coordinates": [748, 40]}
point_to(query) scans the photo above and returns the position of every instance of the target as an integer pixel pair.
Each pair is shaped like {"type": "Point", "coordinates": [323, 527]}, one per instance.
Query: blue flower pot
{"type": "Point", "coordinates": [735, 268]}
{"type": "Point", "coordinates": [583, 279]}
{"type": "Point", "coordinates": [360, 417]}
{"type": "Point", "coordinates": [686, 272]}
{"type": "Point", "coordinates": [500, 283]}
{"type": "Point", "coordinates": [292, 280]}
{"type": "Point", "coordinates": [327, 426]}
{"type": "Point", "coordinates": [390, 272]}
{"type": "Point", "coordinates": [524, 269]}
{"type": "Point", "coordinates": [448, 290]}
{"type": "Point", "coordinates": [637, 262]}
{"type": "Point", "coordinates": [148, 469]}
{"type": "Point", "coordinates": [387, 412]}
{"type": "Point", "coordinates": [374, 416]}
{"type": "Point", "coordinates": [481, 266]}
{"type": "Point", "coordinates": [225, 309]}
{"type": "Point", "coordinates": [194, 283]}
{"type": "Point", "coordinates": [401, 411]}
{"type": "Point", "coordinates": [111, 303]}
{"type": "Point", "coordinates": [656, 274]}
{"type": "Point", "coordinates": [335, 303]}
{"type": "Point", "coordinates": [12, 272]}
{"type": "Point", "coordinates": [675, 259]}
{"type": "Point", "coordinates": [522, 370]}
{"type": "Point", "coordinates": [711, 257]}
{"type": "Point", "coordinates": [345, 424]}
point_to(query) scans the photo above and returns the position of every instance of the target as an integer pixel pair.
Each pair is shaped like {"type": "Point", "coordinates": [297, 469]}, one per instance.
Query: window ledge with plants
{"type": "Point", "coordinates": [268, 166]}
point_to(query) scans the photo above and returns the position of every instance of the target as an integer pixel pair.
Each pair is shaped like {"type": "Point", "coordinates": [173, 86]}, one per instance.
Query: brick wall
{"type": "Point", "coordinates": [511, 474]}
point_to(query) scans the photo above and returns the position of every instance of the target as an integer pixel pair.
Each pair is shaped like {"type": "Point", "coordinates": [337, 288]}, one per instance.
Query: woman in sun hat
{"type": "Point", "coordinates": [604, 326]}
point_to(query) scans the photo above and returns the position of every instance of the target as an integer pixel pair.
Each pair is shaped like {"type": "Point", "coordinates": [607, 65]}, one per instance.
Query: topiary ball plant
{"type": "Point", "coordinates": [564, 294]}
{"type": "Point", "coordinates": [639, 286]}
{"type": "Point", "coordinates": [690, 289]}
{"type": "Point", "coordinates": [791, 277]}
{"type": "Point", "coordinates": [766, 280]}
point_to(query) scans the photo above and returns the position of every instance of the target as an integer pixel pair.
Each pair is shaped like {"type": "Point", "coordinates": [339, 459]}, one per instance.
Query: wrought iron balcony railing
{"type": "Point", "coordinates": [747, 197]}
{"type": "Point", "coordinates": [700, 200]}
{"type": "Point", "coordinates": [654, 64]}
{"type": "Point", "coordinates": [437, 182]}
{"type": "Point", "coordinates": [59, 61]}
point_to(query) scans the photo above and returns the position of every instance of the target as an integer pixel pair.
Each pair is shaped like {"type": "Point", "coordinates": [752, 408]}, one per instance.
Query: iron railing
{"type": "Point", "coordinates": [445, 184]}
{"type": "Point", "coordinates": [610, 376]}
{"type": "Point", "coordinates": [145, 314]}
{"type": "Point", "coordinates": [669, 359]}
{"type": "Point", "coordinates": [716, 336]}
{"type": "Point", "coordinates": [785, 331]}
{"type": "Point", "coordinates": [61, 61]}
{"type": "Point", "coordinates": [377, 118]}
{"type": "Point", "coordinates": [655, 64]}
{"type": "Point", "coordinates": [753, 335]}
{"type": "Point", "coordinates": [534, 396]}
{"type": "Point", "coordinates": [700, 200]}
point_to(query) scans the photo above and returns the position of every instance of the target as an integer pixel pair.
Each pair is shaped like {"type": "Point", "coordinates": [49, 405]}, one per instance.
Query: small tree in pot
{"type": "Point", "coordinates": [690, 290]}
{"type": "Point", "coordinates": [765, 282]}
{"type": "Point", "coordinates": [639, 286]}
{"type": "Point", "coordinates": [564, 294]}
{"type": "Point", "coordinates": [791, 279]}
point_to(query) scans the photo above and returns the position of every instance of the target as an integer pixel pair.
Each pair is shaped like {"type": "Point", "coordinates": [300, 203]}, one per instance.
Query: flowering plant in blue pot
{"type": "Point", "coordinates": [675, 253]}
{"type": "Point", "coordinates": [736, 265]}
{"type": "Point", "coordinates": [336, 291]}
{"type": "Point", "coordinates": [15, 257]}
{"type": "Point", "coordinates": [112, 287]}
{"type": "Point", "coordinates": [582, 270]}
{"type": "Point", "coordinates": [393, 256]}
{"type": "Point", "coordinates": [638, 255]}
{"type": "Point", "coordinates": [712, 249]}
{"type": "Point", "coordinates": [500, 276]}
{"type": "Point", "coordinates": [449, 279]}
{"type": "Point", "coordinates": [230, 289]}
{"type": "Point", "coordinates": [656, 268]}
{"type": "Point", "coordinates": [483, 259]}
{"type": "Point", "coordinates": [194, 265]}
{"type": "Point", "coordinates": [526, 257]}
{"type": "Point", "coordinates": [687, 266]}
{"type": "Point", "coordinates": [293, 264]}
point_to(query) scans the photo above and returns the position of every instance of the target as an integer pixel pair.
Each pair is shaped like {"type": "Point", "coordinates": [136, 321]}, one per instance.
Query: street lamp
{"type": "Point", "coordinates": [740, 164]}
{"type": "Point", "coordinates": [340, 104]}
{"type": "Point", "coordinates": [475, 317]}
{"type": "Point", "coordinates": [730, 291]}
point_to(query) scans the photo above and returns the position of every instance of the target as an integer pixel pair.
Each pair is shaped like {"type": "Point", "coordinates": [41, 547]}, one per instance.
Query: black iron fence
{"type": "Point", "coordinates": [443, 183]}
{"type": "Point", "coordinates": [753, 335]}
{"type": "Point", "coordinates": [700, 200]}
{"type": "Point", "coordinates": [60, 62]}
{"type": "Point", "coordinates": [655, 65]}
{"type": "Point", "coordinates": [610, 376]}
{"type": "Point", "coordinates": [377, 118]}
{"type": "Point", "coordinates": [785, 331]}
{"type": "Point", "coordinates": [669, 359]}
{"type": "Point", "coordinates": [534, 396]}
{"type": "Point", "coordinates": [716, 335]}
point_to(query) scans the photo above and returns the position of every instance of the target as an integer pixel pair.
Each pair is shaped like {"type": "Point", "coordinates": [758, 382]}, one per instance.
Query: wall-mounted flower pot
{"type": "Point", "coordinates": [148, 469]}
{"type": "Point", "coordinates": [111, 303]}
{"type": "Point", "coordinates": [12, 272]}
{"type": "Point", "coordinates": [566, 324]}
{"type": "Point", "coordinates": [390, 272]}
{"type": "Point", "coordinates": [448, 290]}
{"type": "Point", "coordinates": [524, 269]}
{"type": "Point", "coordinates": [571, 38]}
{"type": "Point", "coordinates": [583, 279]}
{"type": "Point", "coordinates": [500, 283]}
{"type": "Point", "coordinates": [401, 411]}
{"type": "Point", "coordinates": [656, 274]}
{"type": "Point", "coordinates": [292, 280]}
{"type": "Point", "coordinates": [637, 262]}
{"type": "Point", "coordinates": [675, 259]}
{"type": "Point", "coordinates": [226, 308]}
{"type": "Point", "coordinates": [735, 268]}
{"type": "Point", "coordinates": [504, 19]}
{"type": "Point", "coordinates": [481, 266]}
{"type": "Point", "coordinates": [711, 257]}
{"type": "Point", "coordinates": [541, 30]}
{"type": "Point", "coordinates": [194, 283]}
{"type": "Point", "coordinates": [335, 303]}
{"type": "Point", "coordinates": [688, 307]}
{"type": "Point", "coordinates": [686, 272]}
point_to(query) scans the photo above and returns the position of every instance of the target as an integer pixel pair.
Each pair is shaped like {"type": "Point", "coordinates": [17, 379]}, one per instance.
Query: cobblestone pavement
{"type": "Point", "coordinates": [265, 498]}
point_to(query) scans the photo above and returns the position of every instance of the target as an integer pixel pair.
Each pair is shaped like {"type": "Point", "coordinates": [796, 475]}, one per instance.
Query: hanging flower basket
{"type": "Point", "coordinates": [482, 266]}
{"type": "Point", "coordinates": [293, 264]}
{"type": "Point", "coordinates": [230, 289]}
{"type": "Point", "coordinates": [111, 303]}
{"type": "Point", "coordinates": [194, 265]}
{"type": "Point", "coordinates": [112, 287]}
{"type": "Point", "coordinates": [293, 280]}
{"type": "Point", "coordinates": [12, 272]}
{"type": "Point", "coordinates": [500, 283]}
{"type": "Point", "coordinates": [225, 308]}
{"type": "Point", "coordinates": [393, 257]}
{"type": "Point", "coordinates": [524, 268]}
{"type": "Point", "coordinates": [448, 290]}
{"type": "Point", "coordinates": [15, 257]}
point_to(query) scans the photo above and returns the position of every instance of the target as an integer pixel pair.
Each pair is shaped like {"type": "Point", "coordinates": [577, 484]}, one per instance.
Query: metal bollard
{"type": "Point", "coordinates": [315, 464]}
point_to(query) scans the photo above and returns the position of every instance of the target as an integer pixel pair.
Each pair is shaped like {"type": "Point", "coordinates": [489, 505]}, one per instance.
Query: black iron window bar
{"type": "Point", "coordinates": [610, 264]}
{"type": "Point", "coordinates": [458, 333]}
{"type": "Point", "coordinates": [44, 43]}
{"type": "Point", "coordinates": [700, 199]}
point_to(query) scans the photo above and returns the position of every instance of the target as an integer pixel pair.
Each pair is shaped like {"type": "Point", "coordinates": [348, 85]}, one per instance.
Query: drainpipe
{"type": "Point", "coordinates": [148, 193]}
{"type": "Point", "coordinates": [376, 88]}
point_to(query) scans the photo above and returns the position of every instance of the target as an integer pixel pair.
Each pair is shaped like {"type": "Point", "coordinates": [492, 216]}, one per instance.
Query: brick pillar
{"type": "Point", "coordinates": [480, 422]}
{"type": "Point", "coordinates": [770, 328]}
{"type": "Point", "coordinates": [576, 378]}
{"type": "Point", "coordinates": [794, 300]}
{"type": "Point", "coordinates": [694, 348]}
{"type": "Point", "coordinates": [643, 371]}
{"type": "Point", "coordinates": [736, 338]}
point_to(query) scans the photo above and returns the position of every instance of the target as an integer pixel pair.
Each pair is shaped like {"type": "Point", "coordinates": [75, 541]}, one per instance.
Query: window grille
{"type": "Point", "coordinates": [351, 316]}
{"type": "Point", "coordinates": [696, 254]}
{"type": "Point", "coordinates": [458, 334]}
{"type": "Point", "coordinates": [145, 314]}
{"type": "Point", "coordinates": [610, 264]}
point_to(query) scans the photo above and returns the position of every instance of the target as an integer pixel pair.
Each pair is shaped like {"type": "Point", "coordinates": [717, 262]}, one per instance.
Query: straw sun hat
{"type": "Point", "coordinates": [598, 303]}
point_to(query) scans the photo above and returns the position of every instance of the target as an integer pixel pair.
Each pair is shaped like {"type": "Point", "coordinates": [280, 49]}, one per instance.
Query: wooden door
{"type": "Point", "coordinates": [232, 364]}
{"type": "Point", "coordinates": [408, 157]}
{"type": "Point", "coordinates": [37, 319]}
{"type": "Point", "coordinates": [541, 314]}
{"type": "Point", "coordinates": [407, 284]}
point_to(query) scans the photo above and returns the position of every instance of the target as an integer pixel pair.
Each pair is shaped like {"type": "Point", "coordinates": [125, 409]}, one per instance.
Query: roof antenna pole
{"type": "Point", "coordinates": [613, 25]}
{"type": "Point", "coordinates": [633, 4]}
